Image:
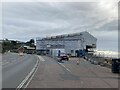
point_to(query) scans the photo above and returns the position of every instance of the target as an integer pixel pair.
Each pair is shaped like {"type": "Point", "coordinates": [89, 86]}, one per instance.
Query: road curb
{"type": "Point", "coordinates": [29, 77]}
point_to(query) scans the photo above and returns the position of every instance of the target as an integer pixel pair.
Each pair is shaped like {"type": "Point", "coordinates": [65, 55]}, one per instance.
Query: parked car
{"type": "Point", "coordinates": [64, 56]}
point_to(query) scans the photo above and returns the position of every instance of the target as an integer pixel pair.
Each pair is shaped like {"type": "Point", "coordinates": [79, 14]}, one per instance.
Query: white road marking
{"type": "Point", "coordinates": [64, 66]}
{"type": "Point", "coordinates": [32, 75]}
{"type": "Point", "coordinates": [41, 59]}
{"type": "Point", "coordinates": [29, 76]}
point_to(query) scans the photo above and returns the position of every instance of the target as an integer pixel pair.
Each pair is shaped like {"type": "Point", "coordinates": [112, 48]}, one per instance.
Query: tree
{"type": "Point", "coordinates": [6, 45]}
{"type": "Point", "coordinates": [32, 41]}
{"type": "Point", "coordinates": [14, 43]}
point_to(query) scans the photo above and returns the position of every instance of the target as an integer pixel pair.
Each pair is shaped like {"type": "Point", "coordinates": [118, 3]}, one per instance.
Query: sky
{"type": "Point", "coordinates": [25, 20]}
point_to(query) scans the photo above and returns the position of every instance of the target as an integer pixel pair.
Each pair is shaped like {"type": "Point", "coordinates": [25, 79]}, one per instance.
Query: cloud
{"type": "Point", "coordinates": [32, 19]}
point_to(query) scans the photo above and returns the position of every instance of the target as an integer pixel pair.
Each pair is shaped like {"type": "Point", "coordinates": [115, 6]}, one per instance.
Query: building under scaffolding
{"type": "Point", "coordinates": [70, 42]}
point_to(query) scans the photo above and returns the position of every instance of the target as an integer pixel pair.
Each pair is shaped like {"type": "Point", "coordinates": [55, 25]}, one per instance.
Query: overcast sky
{"type": "Point", "coordinates": [22, 21]}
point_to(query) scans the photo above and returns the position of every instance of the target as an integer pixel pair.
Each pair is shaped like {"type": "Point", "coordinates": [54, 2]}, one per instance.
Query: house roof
{"type": "Point", "coordinates": [28, 47]}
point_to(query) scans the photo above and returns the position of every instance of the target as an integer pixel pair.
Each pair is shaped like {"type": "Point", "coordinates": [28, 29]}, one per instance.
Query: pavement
{"type": "Point", "coordinates": [15, 68]}
{"type": "Point", "coordinates": [53, 74]}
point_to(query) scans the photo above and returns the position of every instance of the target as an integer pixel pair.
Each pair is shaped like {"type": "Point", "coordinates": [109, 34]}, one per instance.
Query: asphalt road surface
{"type": "Point", "coordinates": [15, 68]}
{"type": "Point", "coordinates": [52, 74]}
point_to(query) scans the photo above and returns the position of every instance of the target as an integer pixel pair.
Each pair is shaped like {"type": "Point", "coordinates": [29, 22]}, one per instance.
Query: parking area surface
{"type": "Point", "coordinates": [66, 74]}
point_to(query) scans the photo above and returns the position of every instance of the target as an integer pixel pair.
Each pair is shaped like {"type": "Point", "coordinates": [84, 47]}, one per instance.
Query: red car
{"type": "Point", "coordinates": [64, 56]}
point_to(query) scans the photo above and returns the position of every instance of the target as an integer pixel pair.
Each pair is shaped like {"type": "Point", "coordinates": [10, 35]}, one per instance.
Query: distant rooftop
{"type": "Point", "coordinates": [64, 35]}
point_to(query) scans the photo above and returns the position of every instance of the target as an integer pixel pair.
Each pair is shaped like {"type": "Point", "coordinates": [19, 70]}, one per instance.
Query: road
{"type": "Point", "coordinates": [51, 74]}
{"type": "Point", "coordinates": [15, 68]}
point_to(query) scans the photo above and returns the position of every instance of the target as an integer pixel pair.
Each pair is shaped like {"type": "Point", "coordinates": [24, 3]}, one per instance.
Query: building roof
{"type": "Point", "coordinates": [28, 47]}
{"type": "Point", "coordinates": [66, 35]}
